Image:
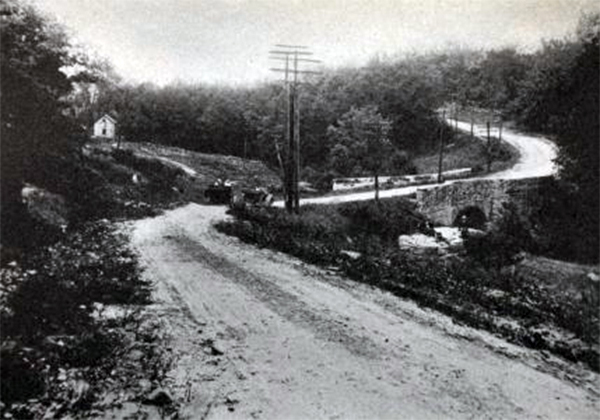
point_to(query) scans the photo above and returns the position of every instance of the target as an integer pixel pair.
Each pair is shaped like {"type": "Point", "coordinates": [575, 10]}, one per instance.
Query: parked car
{"type": "Point", "coordinates": [221, 192]}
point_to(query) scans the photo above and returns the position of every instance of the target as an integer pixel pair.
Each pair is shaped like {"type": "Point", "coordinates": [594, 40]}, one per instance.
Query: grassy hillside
{"type": "Point", "coordinates": [104, 183]}
{"type": "Point", "coordinates": [207, 168]}
{"type": "Point", "coordinates": [465, 152]}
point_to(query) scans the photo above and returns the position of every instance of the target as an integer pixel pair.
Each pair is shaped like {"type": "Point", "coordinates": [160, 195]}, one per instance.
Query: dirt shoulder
{"type": "Point", "coordinates": [258, 334]}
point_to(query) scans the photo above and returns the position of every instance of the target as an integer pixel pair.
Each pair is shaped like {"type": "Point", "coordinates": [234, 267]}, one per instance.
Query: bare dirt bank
{"type": "Point", "coordinates": [258, 334]}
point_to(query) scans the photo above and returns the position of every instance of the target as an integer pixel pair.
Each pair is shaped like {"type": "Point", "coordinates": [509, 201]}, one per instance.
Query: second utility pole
{"type": "Point", "coordinates": [441, 156]}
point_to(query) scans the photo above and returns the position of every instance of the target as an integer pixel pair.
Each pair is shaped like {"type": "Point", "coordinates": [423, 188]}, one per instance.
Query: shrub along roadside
{"type": "Point", "coordinates": [499, 300]}
{"type": "Point", "coordinates": [320, 233]}
{"type": "Point", "coordinates": [97, 185]}
{"type": "Point", "coordinates": [59, 353]}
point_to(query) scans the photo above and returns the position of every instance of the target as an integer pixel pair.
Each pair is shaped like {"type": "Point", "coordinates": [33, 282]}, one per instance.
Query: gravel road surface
{"type": "Point", "coordinates": [259, 334]}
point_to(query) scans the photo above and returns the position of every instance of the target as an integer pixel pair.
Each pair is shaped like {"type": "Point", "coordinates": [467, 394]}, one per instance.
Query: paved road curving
{"type": "Point", "coordinates": [536, 159]}
{"type": "Point", "coordinates": [537, 154]}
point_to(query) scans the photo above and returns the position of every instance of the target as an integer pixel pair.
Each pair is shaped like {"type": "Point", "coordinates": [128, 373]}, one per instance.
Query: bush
{"type": "Point", "coordinates": [478, 169]}
{"type": "Point", "coordinates": [566, 224]}
{"type": "Point", "coordinates": [317, 234]}
{"type": "Point", "coordinates": [47, 308]}
{"type": "Point", "coordinates": [325, 181]}
{"type": "Point", "coordinates": [503, 243]}
{"type": "Point", "coordinates": [21, 373]}
{"type": "Point", "coordinates": [386, 220]}
{"type": "Point", "coordinates": [321, 180]}
{"type": "Point", "coordinates": [478, 296]}
{"type": "Point", "coordinates": [479, 293]}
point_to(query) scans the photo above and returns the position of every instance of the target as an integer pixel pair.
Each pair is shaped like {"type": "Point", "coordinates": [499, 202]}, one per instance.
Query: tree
{"type": "Point", "coordinates": [361, 137]}
{"type": "Point", "coordinates": [578, 137]}
{"type": "Point", "coordinates": [560, 97]}
{"type": "Point", "coordinates": [577, 115]}
{"type": "Point", "coordinates": [35, 133]}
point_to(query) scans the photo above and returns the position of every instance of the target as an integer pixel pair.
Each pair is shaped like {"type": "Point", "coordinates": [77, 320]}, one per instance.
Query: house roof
{"type": "Point", "coordinates": [108, 117]}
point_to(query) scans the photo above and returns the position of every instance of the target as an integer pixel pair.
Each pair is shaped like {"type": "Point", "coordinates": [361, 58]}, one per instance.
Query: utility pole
{"type": "Point", "coordinates": [376, 132]}
{"type": "Point", "coordinates": [471, 108]}
{"type": "Point", "coordinates": [489, 147]}
{"type": "Point", "coordinates": [455, 114]}
{"type": "Point", "coordinates": [472, 123]}
{"type": "Point", "coordinates": [292, 55]}
{"type": "Point", "coordinates": [296, 140]}
{"type": "Point", "coordinates": [500, 129]}
{"type": "Point", "coordinates": [440, 161]}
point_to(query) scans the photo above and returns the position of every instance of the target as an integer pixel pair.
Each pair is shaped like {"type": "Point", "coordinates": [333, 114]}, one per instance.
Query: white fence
{"type": "Point", "coordinates": [341, 184]}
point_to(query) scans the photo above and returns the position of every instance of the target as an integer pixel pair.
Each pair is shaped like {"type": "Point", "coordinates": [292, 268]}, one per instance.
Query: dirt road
{"type": "Point", "coordinates": [258, 334]}
{"type": "Point", "coordinates": [536, 153]}
{"type": "Point", "coordinates": [536, 159]}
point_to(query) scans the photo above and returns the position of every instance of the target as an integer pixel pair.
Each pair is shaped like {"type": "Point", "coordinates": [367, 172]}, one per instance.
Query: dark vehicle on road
{"type": "Point", "coordinates": [220, 192]}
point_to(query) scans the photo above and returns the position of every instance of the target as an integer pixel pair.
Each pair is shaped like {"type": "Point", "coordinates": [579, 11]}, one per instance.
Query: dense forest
{"type": "Point", "coordinates": [250, 122]}
{"type": "Point", "coordinates": [47, 111]}
{"type": "Point", "coordinates": [536, 90]}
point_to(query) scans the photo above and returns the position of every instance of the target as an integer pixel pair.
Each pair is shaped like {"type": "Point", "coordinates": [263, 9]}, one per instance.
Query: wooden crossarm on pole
{"type": "Point", "coordinates": [296, 71]}
{"type": "Point", "coordinates": [291, 46]}
{"type": "Point", "coordinates": [304, 60]}
{"type": "Point", "coordinates": [290, 52]}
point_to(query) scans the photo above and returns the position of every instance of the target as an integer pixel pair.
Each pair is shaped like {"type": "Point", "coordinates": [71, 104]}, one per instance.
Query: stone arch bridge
{"type": "Point", "coordinates": [480, 200]}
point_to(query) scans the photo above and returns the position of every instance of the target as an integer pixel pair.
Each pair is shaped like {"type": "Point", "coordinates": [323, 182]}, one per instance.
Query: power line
{"type": "Point", "coordinates": [293, 56]}
{"type": "Point", "coordinates": [296, 47]}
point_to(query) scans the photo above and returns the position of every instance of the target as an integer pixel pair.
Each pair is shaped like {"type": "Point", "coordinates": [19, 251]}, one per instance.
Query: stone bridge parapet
{"type": "Point", "coordinates": [445, 204]}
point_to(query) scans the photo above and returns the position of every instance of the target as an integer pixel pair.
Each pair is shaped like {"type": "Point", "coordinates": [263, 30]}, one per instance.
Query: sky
{"type": "Point", "coordinates": [227, 41]}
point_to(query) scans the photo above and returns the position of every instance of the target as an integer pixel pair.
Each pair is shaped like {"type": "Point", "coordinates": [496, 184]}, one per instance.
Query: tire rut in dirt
{"type": "Point", "coordinates": [281, 302]}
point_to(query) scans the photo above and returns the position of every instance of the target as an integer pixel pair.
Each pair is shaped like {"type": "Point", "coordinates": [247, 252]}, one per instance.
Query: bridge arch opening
{"type": "Point", "coordinates": [471, 217]}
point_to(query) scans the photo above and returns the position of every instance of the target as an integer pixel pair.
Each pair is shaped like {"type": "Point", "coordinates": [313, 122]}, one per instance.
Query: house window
{"type": "Point", "coordinates": [104, 128]}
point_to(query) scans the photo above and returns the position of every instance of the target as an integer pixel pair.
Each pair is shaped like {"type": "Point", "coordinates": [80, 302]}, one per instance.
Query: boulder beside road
{"type": "Point", "coordinates": [445, 238]}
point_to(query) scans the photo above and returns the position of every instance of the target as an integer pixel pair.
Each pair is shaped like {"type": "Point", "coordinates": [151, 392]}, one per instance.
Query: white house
{"type": "Point", "coordinates": [105, 127]}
